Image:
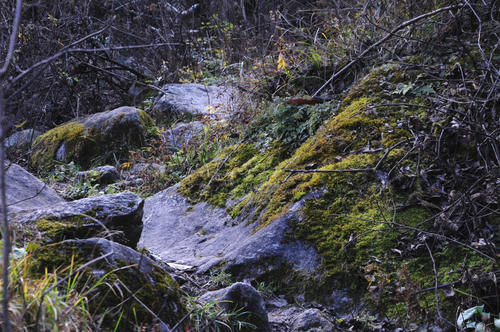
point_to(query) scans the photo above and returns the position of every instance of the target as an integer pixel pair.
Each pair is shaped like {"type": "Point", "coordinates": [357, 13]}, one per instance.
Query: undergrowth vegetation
{"type": "Point", "coordinates": [386, 111]}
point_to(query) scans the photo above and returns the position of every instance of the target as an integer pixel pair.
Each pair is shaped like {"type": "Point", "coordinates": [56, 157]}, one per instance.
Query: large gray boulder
{"type": "Point", "coordinates": [197, 99]}
{"type": "Point", "coordinates": [99, 136]}
{"type": "Point", "coordinates": [139, 288]}
{"type": "Point", "coordinates": [25, 192]}
{"type": "Point", "coordinates": [118, 216]}
{"type": "Point", "coordinates": [204, 236]}
{"type": "Point", "coordinates": [243, 297]}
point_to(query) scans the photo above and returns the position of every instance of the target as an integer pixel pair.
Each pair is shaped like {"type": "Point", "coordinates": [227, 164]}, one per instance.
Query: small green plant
{"type": "Point", "coordinates": [62, 173]}
{"type": "Point", "coordinates": [82, 190]}
{"type": "Point", "coordinates": [266, 289]}
{"type": "Point", "coordinates": [220, 279]}
{"type": "Point", "coordinates": [39, 302]}
{"type": "Point", "coordinates": [289, 125]}
{"type": "Point", "coordinates": [211, 317]}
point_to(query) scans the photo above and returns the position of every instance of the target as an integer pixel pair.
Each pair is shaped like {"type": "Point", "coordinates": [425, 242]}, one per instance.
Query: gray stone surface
{"type": "Point", "coordinates": [22, 139]}
{"type": "Point", "coordinates": [150, 167]}
{"type": "Point", "coordinates": [295, 319]}
{"type": "Point", "coordinates": [198, 99]}
{"type": "Point", "coordinates": [25, 192]}
{"type": "Point", "coordinates": [111, 213]}
{"type": "Point", "coordinates": [121, 254]}
{"type": "Point", "coordinates": [244, 297]}
{"type": "Point", "coordinates": [183, 133]}
{"type": "Point", "coordinates": [203, 236]}
{"type": "Point", "coordinates": [101, 175]}
{"type": "Point", "coordinates": [311, 320]}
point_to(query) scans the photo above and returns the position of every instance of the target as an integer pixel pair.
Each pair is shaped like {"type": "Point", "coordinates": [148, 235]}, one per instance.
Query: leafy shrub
{"type": "Point", "coordinates": [289, 125]}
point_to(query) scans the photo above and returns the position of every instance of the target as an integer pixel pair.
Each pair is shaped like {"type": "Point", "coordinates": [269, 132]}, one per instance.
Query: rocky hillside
{"type": "Point", "coordinates": [347, 181]}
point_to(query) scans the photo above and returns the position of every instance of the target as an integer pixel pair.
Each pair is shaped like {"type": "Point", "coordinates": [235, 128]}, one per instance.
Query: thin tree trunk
{"type": "Point", "coordinates": [5, 222]}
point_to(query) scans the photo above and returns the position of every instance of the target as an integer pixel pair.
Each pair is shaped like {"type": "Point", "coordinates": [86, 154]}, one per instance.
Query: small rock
{"type": "Point", "coordinates": [101, 135]}
{"type": "Point", "coordinates": [182, 133]}
{"type": "Point", "coordinates": [276, 302]}
{"type": "Point", "coordinates": [312, 321]}
{"type": "Point", "coordinates": [244, 297]}
{"type": "Point", "coordinates": [140, 167]}
{"type": "Point", "coordinates": [102, 175]}
{"type": "Point", "coordinates": [21, 139]}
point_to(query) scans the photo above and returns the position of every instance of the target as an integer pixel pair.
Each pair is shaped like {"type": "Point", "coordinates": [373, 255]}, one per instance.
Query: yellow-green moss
{"type": "Point", "coordinates": [83, 145]}
{"type": "Point", "coordinates": [146, 120]}
{"type": "Point", "coordinates": [45, 146]}
{"type": "Point", "coordinates": [75, 227]}
{"type": "Point", "coordinates": [236, 172]}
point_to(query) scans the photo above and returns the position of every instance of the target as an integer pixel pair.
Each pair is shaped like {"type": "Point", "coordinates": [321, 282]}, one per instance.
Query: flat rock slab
{"type": "Point", "coordinates": [25, 192]}
{"type": "Point", "coordinates": [203, 236]}
{"type": "Point", "coordinates": [198, 99]}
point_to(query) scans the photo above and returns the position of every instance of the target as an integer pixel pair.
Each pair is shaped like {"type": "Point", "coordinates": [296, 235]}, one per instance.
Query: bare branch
{"type": "Point", "coordinates": [13, 38]}
{"type": "Point", "coordinates": [383, 40]}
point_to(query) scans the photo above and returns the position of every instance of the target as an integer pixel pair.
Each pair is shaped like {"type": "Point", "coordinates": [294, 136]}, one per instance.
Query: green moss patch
{"type": "Point", "coordinates": [74, 141]}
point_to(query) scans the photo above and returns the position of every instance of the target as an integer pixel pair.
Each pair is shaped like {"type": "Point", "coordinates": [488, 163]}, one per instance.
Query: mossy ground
{"type": "Point", "coordinates": [360, 224]}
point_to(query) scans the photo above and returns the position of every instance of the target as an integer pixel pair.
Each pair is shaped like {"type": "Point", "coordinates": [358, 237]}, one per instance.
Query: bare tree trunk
{"type": "Point", "coordinates": [3, 199]}
{"type": "Point", "coordinates": [5, 222]}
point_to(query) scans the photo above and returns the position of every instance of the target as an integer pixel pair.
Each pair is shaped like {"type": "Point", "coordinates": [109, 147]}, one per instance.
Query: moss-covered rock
{"type": "Point", "coordinates": [120, 283]}
{"type": "Point", "coordinates": [118, 216]}
{"type": "Point", "coordinates": [363, 160]}
{"type": "Point", "coordinates": [97, 137]}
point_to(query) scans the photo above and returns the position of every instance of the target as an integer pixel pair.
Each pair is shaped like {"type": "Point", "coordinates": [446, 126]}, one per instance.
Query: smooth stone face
{"type": "Point", "coordinates": [25, 192]}
{"type": "Point", "coordinates": [203, 236]}
{"type": "Point", "coordinates": [197, 99]}
{"type": "Point", "coordinates": [21, 139]}
{"type": "Point", "coordinates": [311, 320]}
{"type": "Point", "coordinates": [293, 318]}
{"type": "Point", "coordinates": [91, 216]}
